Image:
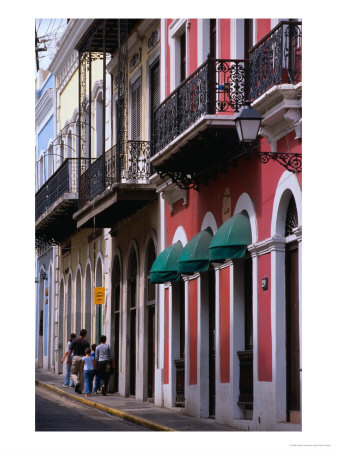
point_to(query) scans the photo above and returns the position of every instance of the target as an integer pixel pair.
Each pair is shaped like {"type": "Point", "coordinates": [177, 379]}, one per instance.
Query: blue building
{"type": "Point", "coordinates": [46, 162]}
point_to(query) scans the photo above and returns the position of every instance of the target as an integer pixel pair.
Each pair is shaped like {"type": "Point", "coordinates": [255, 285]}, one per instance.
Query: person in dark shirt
{"type": "Point", "coordinates": [78, 347]}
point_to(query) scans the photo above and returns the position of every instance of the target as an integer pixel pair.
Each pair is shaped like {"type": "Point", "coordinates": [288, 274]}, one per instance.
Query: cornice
{"type": "Point", "coordinates": [281, 108]}
{"type": "Point", "coordinates": [275, 243]}
{"type": "Point", "coordinates": [72, 35]}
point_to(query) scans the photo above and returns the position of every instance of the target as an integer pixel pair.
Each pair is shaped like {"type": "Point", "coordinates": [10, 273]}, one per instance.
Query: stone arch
{"type": "Point", "coordinates": [99, 282]}
{"type": "Point", "coordinates": [287, 186]}
{"type": "Point", "coordinates": [78, 300]}
{"type": "Point", "coordinates": [69, 309]}
{"type": "Point", "coordinates": [88, 299]}
{"type": "Point", "coordinates": [132, 309]}
{"type": "Point", "coordinates": [209, 221]}
{"type": "Point", "coordinates": [61, 324]}
{"type": "Point", "coordinates": [50, 316]}
{"type": "Point", "coordinates": [180, 235]}
{"type": "Point", "coordinates": [245, 203]}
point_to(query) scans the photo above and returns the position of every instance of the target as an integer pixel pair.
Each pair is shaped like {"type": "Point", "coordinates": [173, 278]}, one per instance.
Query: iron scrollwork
{"type": "Point", "coordinates": [275, 59]}
{"type": "Point", "coordinates": [218, 85]}
{"type": "Point", "coordinates": [291, 161]}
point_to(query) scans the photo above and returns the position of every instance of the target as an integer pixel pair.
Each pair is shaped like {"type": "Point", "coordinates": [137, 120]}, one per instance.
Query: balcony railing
{"type": "Point", "coordinates": [131, 166]}
{"type": "Point", "coordinates": [64, 180]}
{"type": "Point", "coordinates": [217, 86]}
{"type": "Point", "coordinates": [276, 59]}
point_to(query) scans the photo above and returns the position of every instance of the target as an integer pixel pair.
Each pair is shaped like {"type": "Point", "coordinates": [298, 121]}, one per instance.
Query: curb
{"type": "Point", "coordinates": [114, 412]}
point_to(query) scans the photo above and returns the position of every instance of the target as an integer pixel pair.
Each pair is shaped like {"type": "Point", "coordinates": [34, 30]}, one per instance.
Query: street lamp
{"type": "Point", "coordinates": [248, 123]}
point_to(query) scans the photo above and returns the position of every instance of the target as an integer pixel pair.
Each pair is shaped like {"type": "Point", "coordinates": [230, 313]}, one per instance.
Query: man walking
{"type": "Point", "coordinates": [78, 347]}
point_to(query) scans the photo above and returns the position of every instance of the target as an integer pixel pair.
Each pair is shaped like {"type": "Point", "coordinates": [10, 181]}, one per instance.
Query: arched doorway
{"type": "Point", "coordinates": [115, 318]}
{"type": "Point", "coordinates": [150, 301]}
{"type": "Point", "coordinates": [292, 316]}
{"type": "Point", "coordinates": [41, 320]}
{"type": "Point", "coordinates": [99, 283]}
{"type": "Point", "coordinates": [87, 315]}
{"type": "Point", "coordinates": [61, 329]}
{"type": "Point", "coordinates": [132, 315]}
{"type": "Point", "coordinates": [78, 310]}
{"type": "Point", "coordinates": [69, 301]}
{"type": "Point", "coordinates": [51, 355]}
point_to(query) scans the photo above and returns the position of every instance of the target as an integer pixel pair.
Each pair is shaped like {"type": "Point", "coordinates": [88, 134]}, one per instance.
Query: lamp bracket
{"type": "Point", "coordinates": [291, 161]}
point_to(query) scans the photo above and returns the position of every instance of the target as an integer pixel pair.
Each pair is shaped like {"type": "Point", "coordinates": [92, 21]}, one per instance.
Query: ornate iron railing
{"type": "Point", "coordinates": [62, 181]}
{"type": "Point", "coordinates": [131, 166]}
{"type": "Point", "coordinates": [217, 86]}
{"type": "Point", "coordinates": [276, 59]}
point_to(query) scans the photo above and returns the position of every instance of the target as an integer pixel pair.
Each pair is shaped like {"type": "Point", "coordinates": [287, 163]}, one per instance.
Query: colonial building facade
{"type": "Point", "coordinates": [195, 237]}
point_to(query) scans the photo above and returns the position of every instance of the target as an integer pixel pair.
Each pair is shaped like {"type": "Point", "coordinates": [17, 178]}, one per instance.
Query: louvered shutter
{"type": "Point", "coordinates": [155, 92]}
{"type": "Point", "coordinates": [136, 110]}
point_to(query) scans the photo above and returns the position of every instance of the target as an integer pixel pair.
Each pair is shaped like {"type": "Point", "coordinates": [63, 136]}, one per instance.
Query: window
{"type": "Point", "coordinates": [136, 110]}
{"type": "Point", "coordinates": [154, 92]}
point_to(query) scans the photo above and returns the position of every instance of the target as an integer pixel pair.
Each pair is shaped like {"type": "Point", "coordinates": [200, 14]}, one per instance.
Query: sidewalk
{"type": "Point", "coordinates": [128, 408]}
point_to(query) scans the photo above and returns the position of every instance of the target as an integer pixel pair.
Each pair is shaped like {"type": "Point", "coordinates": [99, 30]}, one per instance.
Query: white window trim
{"type": "Point", "coordinates": [176, 29]}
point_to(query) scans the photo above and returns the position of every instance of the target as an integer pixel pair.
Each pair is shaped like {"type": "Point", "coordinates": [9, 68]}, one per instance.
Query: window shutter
{"type": "Point", "coordinates": [155, 92]}
{"type": "Point", "coordinates": [136, 110]}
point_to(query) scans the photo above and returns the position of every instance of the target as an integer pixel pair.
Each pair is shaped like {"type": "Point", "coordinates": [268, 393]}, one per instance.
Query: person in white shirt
{"type": "Point", "coordinates": [67, 378]}
{"type": "Point", "coordinates": [103, 358]}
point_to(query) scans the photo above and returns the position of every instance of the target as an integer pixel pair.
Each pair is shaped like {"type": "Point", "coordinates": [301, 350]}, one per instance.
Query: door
{"type": "Point", "coordinates": [151, 351]}
{"type": "Point", "coordinates": [292, 336]}
{"type": "Point", "coordinates": [115, 322]}
{"type": "Point", "coordinates": [211, 343]}
{"type": "Point", "coordinates": [132, 329]}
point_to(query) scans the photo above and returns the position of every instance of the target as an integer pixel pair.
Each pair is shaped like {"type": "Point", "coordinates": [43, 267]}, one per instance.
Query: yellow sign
{"type": "Point", "coordinates": [99, 296]}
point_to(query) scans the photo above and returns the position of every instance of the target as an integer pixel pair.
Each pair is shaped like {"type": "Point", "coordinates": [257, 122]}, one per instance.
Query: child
{"type": "Point", "coordinates": [88, 367]}
{"type": "Point", "coordinates": [96, 387]}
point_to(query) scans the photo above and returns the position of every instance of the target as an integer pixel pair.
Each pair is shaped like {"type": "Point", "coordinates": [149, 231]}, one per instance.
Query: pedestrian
{"type": "Point", "coordinates": [93, 347]}
{"type": "Point", "coordinates": [67, 378]}
{"type": "Point", "coordinates": [78, 347]}
{"type": "Point", "coordinates": [88, 367]}
{"type": "Point", "coordinates": [103, 358]}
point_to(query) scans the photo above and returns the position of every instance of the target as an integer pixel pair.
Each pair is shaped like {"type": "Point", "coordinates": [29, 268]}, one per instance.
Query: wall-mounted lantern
{"type": "Point", "coordinates": [248, 123]}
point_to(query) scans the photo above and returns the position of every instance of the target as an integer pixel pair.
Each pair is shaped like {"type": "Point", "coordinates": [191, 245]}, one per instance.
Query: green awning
{"type": "Point", "coordinates": [165, 266]}
{"type": "Point", "coordinates": [194, 257]}
{"type": "Point", "coordinates": [231, 239]}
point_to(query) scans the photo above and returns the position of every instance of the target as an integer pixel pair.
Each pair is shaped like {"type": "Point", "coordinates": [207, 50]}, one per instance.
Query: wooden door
{"type": "Point", "coordinates": [211, 343]}
{"type": "Point", "coordinates": [292, 336]}
{"type": "Point", "coordinates": [151, 351]}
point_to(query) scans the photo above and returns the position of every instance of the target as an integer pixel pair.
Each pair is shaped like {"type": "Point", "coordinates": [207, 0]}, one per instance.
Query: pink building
{"type": "Point", "coordinates": [231, 288]}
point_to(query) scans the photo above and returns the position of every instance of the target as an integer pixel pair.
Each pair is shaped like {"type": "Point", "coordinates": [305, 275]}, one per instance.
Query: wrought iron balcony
{"type": "Point", "coordinates": [61, 182]}
{"type": "Point", "coordinates": [217, 86]}
{"type": "Point", "coordinates": [132, 166]}
{"type": "Point", "coordinates": [55, 203]}
{"type": "Point", "coordinates": [276, 59]}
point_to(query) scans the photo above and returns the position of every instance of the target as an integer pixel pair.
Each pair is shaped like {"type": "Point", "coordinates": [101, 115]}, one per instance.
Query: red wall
{"type": "Point", "coordinates": [193, 330]}
{"type": "Point", "coordinates": [225, 34]}
{"type": "Point", "coordinates": [264, 321]}
{"type": "Point", "coordinates": [166, 338]}
{"type": "Point", "coordinates": [193, 46]}
{"type": "Point", "coordinates": [224, 318]}
{"type": "Point", "coordinates": [263, 28]}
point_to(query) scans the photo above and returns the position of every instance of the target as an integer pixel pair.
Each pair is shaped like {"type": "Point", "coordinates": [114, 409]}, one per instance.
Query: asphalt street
{"type": "Point", "coordinates": [56, 413]}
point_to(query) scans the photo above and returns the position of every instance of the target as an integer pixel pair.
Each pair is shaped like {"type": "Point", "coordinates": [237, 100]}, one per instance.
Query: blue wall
{"type": "Point", "coordinates": [49, 84]}
{"type": "Point", "coordinates": [45, 135]}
